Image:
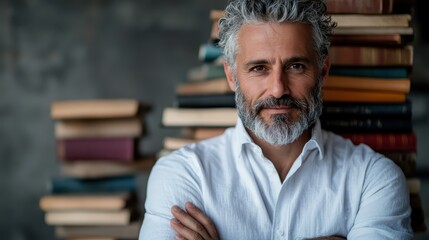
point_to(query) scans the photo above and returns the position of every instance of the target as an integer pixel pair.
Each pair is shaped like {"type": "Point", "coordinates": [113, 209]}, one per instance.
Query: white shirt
{"type": "Point", "coordinates": [333, 188]}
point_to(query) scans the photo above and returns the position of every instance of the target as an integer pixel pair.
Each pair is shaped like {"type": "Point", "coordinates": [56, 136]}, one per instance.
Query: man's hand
{"type": "Point", "coordinates": [192, 224]}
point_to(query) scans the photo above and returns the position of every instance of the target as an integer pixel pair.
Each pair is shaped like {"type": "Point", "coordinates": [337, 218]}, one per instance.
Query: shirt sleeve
{"type": "Point", "coordinates": [172, 181]}
{"type": "Point", "coordinates": [384, 211]}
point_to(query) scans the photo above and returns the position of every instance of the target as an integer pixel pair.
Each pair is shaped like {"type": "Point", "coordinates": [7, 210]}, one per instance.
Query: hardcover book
{"type": "Point", "coordinates": [90, 218]}
{"type": "Point", "coordinates": [87, 169]}
{"type": "Point", "coordinates": [114, 149]}
{"type": "Point", "coordinates": [199, 117]}
{"type": "Point", "coordinates": [384, 142]}
{"type": "Point", "coordinates": [129, 231]}
{"type": "Point", "coordinates": [60, 185]}
{"type": "Point", "coordinates": [104, 201]}
{"type": "Point", "coordinates": [99, 128]}
{"type": "Point", "coordinates": [78, 109]}
{"type": "Point", "coordinates": [371, 56]}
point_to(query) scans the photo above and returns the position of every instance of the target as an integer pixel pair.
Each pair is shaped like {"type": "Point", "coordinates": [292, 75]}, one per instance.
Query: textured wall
{"type": "Point", "coordinates": [67, 49]}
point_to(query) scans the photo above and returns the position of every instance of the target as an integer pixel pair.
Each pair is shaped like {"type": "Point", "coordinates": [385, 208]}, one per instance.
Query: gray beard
{"type": "Point", "coordinates": [283, 130]}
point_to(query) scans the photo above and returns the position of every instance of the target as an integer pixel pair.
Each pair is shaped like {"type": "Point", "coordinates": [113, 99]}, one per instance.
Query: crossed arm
{"type": "Point", "coordinates": [193, 224]}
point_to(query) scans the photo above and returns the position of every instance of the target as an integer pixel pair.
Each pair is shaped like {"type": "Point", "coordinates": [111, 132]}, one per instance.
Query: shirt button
{"type": "Point", "coordinates": [281, 233]}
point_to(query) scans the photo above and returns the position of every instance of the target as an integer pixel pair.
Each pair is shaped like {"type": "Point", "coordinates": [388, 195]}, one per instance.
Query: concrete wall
{"type": "Point", "coordinates": [72, 49]}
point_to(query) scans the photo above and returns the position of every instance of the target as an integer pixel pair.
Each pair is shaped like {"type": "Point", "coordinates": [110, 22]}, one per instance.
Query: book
{"type": "Point", "coordinates": [393, 39]}
{"type": "Point", "coordinates": [98, 169]}
{"type": "Point", "coordinates": [213, 86]}
{"type": "Point", "coordinates": [206, 101]}
{"type": "Point", "coordinates": [118, 149]}
{"type": "Point", "coordinates": [98, 128]}
{"type": "Point", "coordinates": [406, 160]}
{"type": "Point", "coordinates": [398, 85]}
{"type": "Point", "coordinates": [366, 125]}
{"type": "Point", "coordinates": [384, 142]}
{"type": "Point", "coordinates": [77, 109]}
{"type": "Point", "coordinates": [88, 218]}
{"type": "Point", "coordinates": [201, 133]}
{"type": "Point", "coordinates": [373, 30]}
{"type": "Point", "coordinates": [199, 117]}
{"type": "Point", "coordinates": [371, 56]}
{"type": "Point", "coordinates": [93, 238]}
{"type": "Point", "coordinates": [341, 109]}
{"type": "Point", "coordinates": [376, 72]}
{"type": "Point", "coordinates": [206, 71]}
{"type": "Point", "coordinates": [376, 20]}
{"type": "Point", "coordinates": [105, 201]}
{"type": "Point", "coordinates": [209, 52]}
{"type": "Point", "coordinates": [125, 183]}
{"type": "Point", "coordinates": [129, 231]}
{"type": "Point", "coordinates": [357, 6]}
{"type": "Point", "coordinates": [335, 95]}
{"type": "Point", "coordinates": [173, 143]}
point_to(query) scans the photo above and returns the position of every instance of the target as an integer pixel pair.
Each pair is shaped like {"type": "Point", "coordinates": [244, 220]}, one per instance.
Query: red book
{"type": "Point", "coordinates": [357, 6]}
{"type": "Point", "coordinates": [385, 141]}
{"type": "Point", "coordinates": [121, 149]}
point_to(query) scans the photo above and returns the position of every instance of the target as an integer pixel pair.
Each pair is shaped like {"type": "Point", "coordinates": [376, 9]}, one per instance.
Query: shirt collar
{"type": "Point", "coordinates": [242, 138]}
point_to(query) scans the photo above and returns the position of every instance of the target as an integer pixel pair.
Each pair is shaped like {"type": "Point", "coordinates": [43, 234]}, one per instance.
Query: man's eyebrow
{"type": "Point", "coordinates": [256, 62]}
{"type": "Point", "coordinates": [285, 61]}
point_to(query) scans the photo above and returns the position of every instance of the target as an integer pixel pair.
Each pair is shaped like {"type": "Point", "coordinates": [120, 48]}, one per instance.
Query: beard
{"type": "Point", "coordinates": [283, 129]}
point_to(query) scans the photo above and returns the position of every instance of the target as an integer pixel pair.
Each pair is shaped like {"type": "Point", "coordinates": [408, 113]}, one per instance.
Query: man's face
{"type": "Point", "coordinates": [277, 80]}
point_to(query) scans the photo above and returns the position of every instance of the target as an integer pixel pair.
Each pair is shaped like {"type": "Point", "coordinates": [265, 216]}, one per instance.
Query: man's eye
{"type": "Point", "coordinates": [297, 66]}
{"type": "Point", "coordinates": [257, 69]}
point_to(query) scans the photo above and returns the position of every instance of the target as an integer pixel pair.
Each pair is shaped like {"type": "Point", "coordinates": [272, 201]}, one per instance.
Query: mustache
{"type": "Point", "coordinates": [283, 101]}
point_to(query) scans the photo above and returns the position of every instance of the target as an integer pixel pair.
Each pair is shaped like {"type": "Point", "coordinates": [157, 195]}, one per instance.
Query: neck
{"type": "Point", "coordinates": [282, 156]}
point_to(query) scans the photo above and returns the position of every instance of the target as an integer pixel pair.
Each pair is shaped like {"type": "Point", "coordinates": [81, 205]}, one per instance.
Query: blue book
{"type": "Point", "coordinates": [339, 109]}
{"type": "Point", "coordinates": [381, 72]}
{"type": "Point", "coordinates": [111, 184]}
{"type": "Point", "coordinates": [209, 52]}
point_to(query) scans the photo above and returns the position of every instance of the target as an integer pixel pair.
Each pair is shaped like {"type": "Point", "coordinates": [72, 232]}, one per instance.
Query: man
{"type": "Point", "coordinates": [277, 174]}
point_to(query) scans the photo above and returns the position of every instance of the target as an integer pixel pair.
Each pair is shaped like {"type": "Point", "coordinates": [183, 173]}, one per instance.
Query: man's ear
{"type": "Point", "coordinates": [229, 76]}
{"type": "Point", "coordinates": [325, 69]}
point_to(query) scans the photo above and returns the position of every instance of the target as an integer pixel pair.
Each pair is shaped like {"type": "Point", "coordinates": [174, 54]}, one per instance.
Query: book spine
{"type": "Point", "coordinates": [355, 6]}
{"type": "Point", "coordinates": [377, 72]}
{"type": "Point", "coordinates": [98, 128]}
{"type": "Point", "coordinates": [367, 109]}
{"type": "Point", "coordinates": [385, 142]}
{"type": "Point", "coordinates": [209, 52]}
{"type": "Point", "coordinates": [120, 149]}
{"type": "Point", "coordinates": [405, 160]}
{"type": "Point", "coordinates": [205, 101]}
{"type": "Point", "coordinates": [99, 185]}
{"type": "Point", "coordinates": [401, 85]}
{"type": "Point", "coordinates": [370, 124]}
{"type": "Point", "coordinates": [369, 39]}
{"type": "Point", "coordinates": [333, 95]}
{"type": "Point", "coordinates": [371, 56]}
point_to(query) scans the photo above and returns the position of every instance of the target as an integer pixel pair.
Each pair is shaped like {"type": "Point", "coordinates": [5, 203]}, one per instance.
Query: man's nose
{"type": "Point", "coordinates": [278, 83]}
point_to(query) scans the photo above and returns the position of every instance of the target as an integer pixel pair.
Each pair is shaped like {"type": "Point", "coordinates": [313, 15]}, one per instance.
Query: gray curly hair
{"type": "Point", "coordinates": [239, 12]}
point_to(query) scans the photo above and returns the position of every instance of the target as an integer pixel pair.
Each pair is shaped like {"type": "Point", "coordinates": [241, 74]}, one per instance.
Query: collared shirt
{"type": "Point", "coordinates": [332, 188]}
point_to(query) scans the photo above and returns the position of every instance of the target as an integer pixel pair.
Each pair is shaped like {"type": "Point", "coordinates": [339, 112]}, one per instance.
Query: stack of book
{"type": "Point", "coordinates": [205, 104]}
{"type": "Point", "coordinates": [95, 195]}
{"type": "Point", "coordinates": [365, 96]}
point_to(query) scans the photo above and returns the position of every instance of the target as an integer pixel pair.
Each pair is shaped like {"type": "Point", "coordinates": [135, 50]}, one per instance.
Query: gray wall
{"type": "Point", "coordinates": [69, 49]}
